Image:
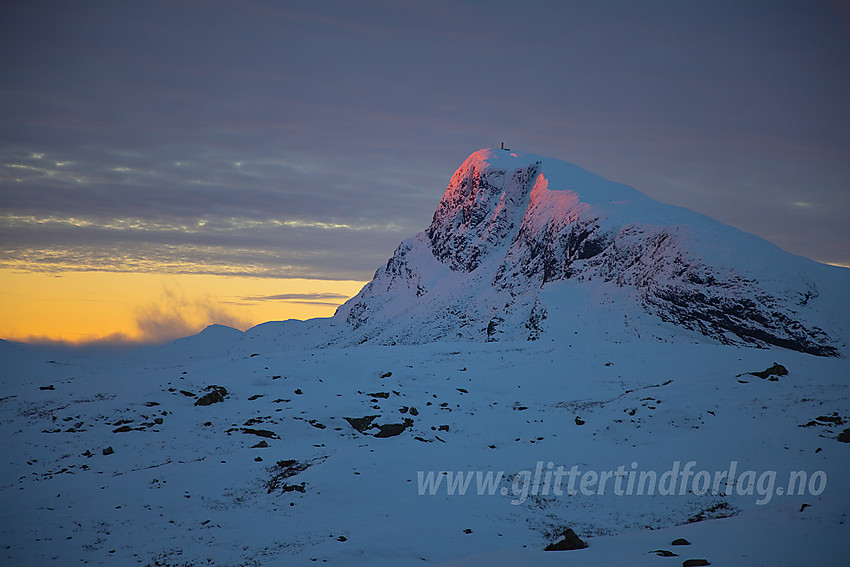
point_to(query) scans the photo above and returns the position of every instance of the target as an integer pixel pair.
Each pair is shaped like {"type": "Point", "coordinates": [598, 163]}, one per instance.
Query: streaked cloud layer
{"type": "Point", "coordinates": [280, 140]}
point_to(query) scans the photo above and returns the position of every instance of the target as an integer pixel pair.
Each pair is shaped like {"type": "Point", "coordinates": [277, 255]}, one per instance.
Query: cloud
{"type": "Point", "coordinates": [113, 341]}
{"type": "Point", "coordinates": [194, 209]}
{"type": "Point", "coordinates": [212, 246]}
{"type": "Point", "coordinates": [296, 297]}
{"type": "Point", "coordinates": [303, 298]}
{"type": "Point", "coordinates": [186, 146]}
{"type": "Point", "coordinates": [174, 316]}
{"type": "Point", "coordinates": [171, 316]}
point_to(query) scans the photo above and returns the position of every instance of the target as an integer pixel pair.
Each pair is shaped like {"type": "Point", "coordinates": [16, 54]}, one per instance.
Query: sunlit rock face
{"type": "Point", "coordinates": [520, 245]}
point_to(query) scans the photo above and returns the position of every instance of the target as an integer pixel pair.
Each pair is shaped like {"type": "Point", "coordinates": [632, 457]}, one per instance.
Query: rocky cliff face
{"type": "Point", "coordinates": [511, 226]}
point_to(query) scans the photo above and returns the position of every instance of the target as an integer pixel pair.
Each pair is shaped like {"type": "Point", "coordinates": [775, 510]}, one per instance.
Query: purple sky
{"type": "Point", "coordinates": [308, 138]}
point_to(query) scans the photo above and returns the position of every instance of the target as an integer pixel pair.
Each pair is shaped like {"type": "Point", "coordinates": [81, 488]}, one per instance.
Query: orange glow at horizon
{"type": "Point", "coordinates": [127, 307]}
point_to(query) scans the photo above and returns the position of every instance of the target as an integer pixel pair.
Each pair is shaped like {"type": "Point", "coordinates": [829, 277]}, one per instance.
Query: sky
{"type": "Point", "coordinates": [171, 164]}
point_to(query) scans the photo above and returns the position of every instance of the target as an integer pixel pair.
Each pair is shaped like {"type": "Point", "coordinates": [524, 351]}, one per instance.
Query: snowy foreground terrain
{"type": "Point", "coordinates": [192, 490]}
{"type": "Point", "coordinates": [554, 353]}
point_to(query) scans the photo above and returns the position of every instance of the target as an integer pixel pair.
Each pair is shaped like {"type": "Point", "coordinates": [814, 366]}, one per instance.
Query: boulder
{"type": "Point", "coordinates": [568, 542]}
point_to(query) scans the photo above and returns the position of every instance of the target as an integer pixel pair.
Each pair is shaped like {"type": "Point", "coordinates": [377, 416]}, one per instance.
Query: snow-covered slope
{"type": "Point", "coordinates": [115, 461]}
{"type": "Point", "coordinates": [512, 226]}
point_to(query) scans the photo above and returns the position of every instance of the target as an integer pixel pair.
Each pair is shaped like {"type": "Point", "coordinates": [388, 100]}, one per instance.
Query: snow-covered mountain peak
{"type": "Point", "coordinates": [519, 243]}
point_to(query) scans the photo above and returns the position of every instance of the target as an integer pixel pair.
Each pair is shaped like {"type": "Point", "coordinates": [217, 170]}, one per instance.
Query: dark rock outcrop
{"type": "Point", "coordinates": [215, 395]}
{"type": "Point", "coordinates": [569, 541]}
